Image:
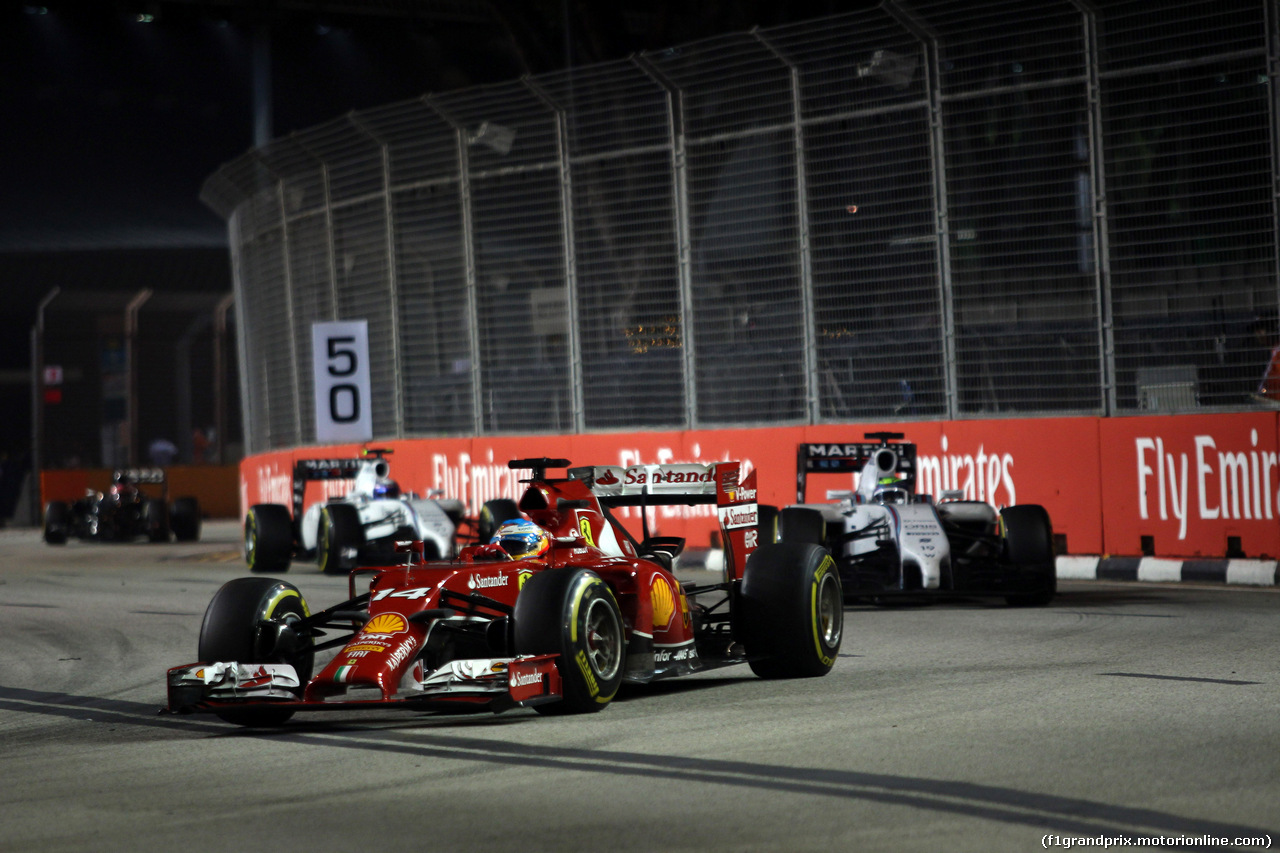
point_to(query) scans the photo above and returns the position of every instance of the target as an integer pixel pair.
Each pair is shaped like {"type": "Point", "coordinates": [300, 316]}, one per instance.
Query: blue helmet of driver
{"type": "Point", "coordinates": [521, 539]}
{"type": "Point", "coordinates": [386, 488]}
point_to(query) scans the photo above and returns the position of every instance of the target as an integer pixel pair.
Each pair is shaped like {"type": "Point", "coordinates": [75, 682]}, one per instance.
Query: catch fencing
{"type": "Point", "coordinates": [920, 211]}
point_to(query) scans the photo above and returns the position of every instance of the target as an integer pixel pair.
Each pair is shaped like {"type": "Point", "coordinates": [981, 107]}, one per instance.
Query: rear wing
{"type": "Point", "coordinates": [309, 470]}
{"type": "Point", "coordinates": [687, 484]}
{"type": "Point", "coordinates": [852, 458]}
{"type": "Point", "coordinates": [140, 476]}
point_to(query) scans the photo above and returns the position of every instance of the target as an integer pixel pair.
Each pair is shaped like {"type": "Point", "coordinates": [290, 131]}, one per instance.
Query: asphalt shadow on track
{"type": "Point", "coordinates": [1069, 815]}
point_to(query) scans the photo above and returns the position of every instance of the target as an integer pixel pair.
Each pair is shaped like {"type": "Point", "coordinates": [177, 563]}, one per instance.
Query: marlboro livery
{"type": "Point", "coordinates": [361, 526]}
{"type": "Point", "coordinates": [559, 631]}
{"type": "Point", "coordinates": [888, 540]}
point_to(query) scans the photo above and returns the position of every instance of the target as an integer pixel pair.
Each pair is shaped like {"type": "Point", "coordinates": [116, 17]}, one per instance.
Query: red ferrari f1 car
{"type": "Point", "coordinates": [557, 616]}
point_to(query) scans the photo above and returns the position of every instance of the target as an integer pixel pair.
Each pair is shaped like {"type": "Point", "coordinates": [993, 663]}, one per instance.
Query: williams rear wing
{"type": "Point", "coordinates": [309, 470]}
{"type": "Point", "coordinates": [852, 458]}
{"type": "Point", "coordinates": [687, 484]}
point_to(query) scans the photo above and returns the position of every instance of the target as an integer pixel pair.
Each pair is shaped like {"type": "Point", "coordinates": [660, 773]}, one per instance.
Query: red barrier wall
{"type": "Point", "coordinates": [1191, 482]}
{"type": "Point", "coordinates": [1095, 476]}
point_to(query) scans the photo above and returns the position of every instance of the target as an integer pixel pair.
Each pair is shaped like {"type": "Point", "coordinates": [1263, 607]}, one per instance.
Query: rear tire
{"type": "Point", "coordinates": [802, 525]}
{"type": "Point", "coordinates": [492, 515]}
{"type": "Point", "coordinates": [341, 533]}
{"type": "Point", "coordinates": [184, 519]}
{"type": "Point", "coordinates": [233, 631]}
{"type": "Point", "coordinates": [767, 523]}
{"type": "Point", "coordinates": [791, 611]}
{"type": "Point", "coordinates": [268, 538]}
{"type": "Point", "coordinates": [573, 613]}
{"type": "Point", "coordinates": [57, 521]}
{"type": "Point", "coordinates": [1028, 544]}
{"type": "Point", "coordinates": [156, 520]}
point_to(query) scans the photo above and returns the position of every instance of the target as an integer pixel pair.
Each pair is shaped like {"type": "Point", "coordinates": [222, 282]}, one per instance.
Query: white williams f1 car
{"type": "Point", "coordinates": [887, 540]}
{"type": "Point", "coordinates": [362, 526]}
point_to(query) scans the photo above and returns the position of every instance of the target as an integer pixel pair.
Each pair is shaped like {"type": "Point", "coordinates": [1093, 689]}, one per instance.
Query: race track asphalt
{"type": "Point", "coordinates": [1122, 710]}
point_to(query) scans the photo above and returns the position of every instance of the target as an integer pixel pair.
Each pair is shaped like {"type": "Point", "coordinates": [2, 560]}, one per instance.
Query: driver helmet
{"type": "Point", "coordinates": [521, 539]}
{"type": "Point", "coordinates": [386, 488]}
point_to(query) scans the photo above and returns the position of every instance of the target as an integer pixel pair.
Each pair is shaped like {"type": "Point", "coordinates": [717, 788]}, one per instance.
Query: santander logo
{"type": "Point", "coordinates": [607, 480]}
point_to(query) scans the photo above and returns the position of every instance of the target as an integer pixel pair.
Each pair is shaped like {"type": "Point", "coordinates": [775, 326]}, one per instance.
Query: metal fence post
{"type": "Point", "coordinates": [808, 321]}
{"type": "Point", "coordinates": [220, 376]}
{"type": "Point", "coordinates": [238, 286]}
{"type": "Point", "coordinates": [578, 404]}
{"type": "Point", "coordinates": [37, 401]}
{"type": "Point", "coordinates": [393, 289]}
{"type": "Point", "coordinates": [131, 351]}
{"type": "Point", "coordinates": [469, 261]}
{"type": "Point", "coordinates": [938, 154]}
{"type": "Point", "coordinates": [288, 307]}
{"type": "Point", "coordinates": [1272, 15]}
{"type": "Point", "coordinates": [1097, 175]}
{"type": "Point", "coordinates": [680, 192]}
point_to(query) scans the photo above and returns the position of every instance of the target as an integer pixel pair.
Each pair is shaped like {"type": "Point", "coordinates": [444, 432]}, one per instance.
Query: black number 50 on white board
{"type": "Point", "coordinates": [341, 360]}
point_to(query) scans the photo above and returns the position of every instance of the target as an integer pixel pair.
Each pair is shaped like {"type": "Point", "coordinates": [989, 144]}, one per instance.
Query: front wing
{"type": "Point", "coordinates": [489, 684]}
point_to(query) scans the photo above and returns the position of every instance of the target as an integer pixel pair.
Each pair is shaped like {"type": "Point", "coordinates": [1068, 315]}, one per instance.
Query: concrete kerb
{"type": "Point", "coordinates": [1239, 572]}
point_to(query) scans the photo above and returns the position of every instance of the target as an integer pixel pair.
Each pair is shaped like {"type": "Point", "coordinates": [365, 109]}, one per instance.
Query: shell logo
{"type": "Point", "coordinates": [386, 623]}
{"type": "Point", "coordinates": [664, 603]}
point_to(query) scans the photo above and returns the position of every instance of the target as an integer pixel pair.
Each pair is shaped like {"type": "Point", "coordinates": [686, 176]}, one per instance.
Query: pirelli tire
{"type": "Point", "coordinates": [268, 538]}
{"type": "Point", "coordinates": [57, 522]}
{"type": "Point", "coordinates": [802, 525]}
{"type": "Point", "coordinates": [1028, 549]}
{"type": "Point", "coordinates": [250, 620]}
{"type": "Point", "coordinates": [340, 536]}
{"type": "Point", "coordinates": [155, 516]}
{"type": "Point", "coordinates": [767, 523]}
{"type": "Point", "coordinates": [789, 613]}
{"type": "Point", "coordinates": [573, 613]}
{"type": "Point", "coordinates": [492, 515]}
{"type": "Point", "coordinates": [184, 519]}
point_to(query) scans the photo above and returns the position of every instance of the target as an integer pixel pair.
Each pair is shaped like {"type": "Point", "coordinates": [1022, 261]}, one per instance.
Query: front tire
{"type": "Point", "coordinates": [1028, 545]}
{"type": "Point", "coordinates": [57, 521]}
{"type": "Point", "coordinates": [247, 621]}
{"type": "Point", "coordinates": [573, 613]}
{"type": "Point", "coordinates": [790, 611]}
{"type": "Point", "coordinates": [340, 533]}
{"type": "Point", "coordinates": [268, 538]}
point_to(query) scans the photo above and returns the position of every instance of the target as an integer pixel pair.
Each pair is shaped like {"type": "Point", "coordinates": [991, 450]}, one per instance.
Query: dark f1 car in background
{"type": "Point", "coordinates": [583, 608]}
{"type": "Point", "coordinates": [361, 526]}
{"type": "Point", "coordinates": [887, 540]}
{"type": "Point", "coordinates": [124, 512]}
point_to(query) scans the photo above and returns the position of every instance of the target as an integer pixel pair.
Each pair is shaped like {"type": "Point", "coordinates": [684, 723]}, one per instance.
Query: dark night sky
{"type": "Point", "coordinates": [112, 123]}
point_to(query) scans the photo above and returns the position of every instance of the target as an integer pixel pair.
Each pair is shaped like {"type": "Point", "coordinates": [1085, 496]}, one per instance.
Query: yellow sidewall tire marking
{"type": "Point", "coordinates": [814, 616]}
